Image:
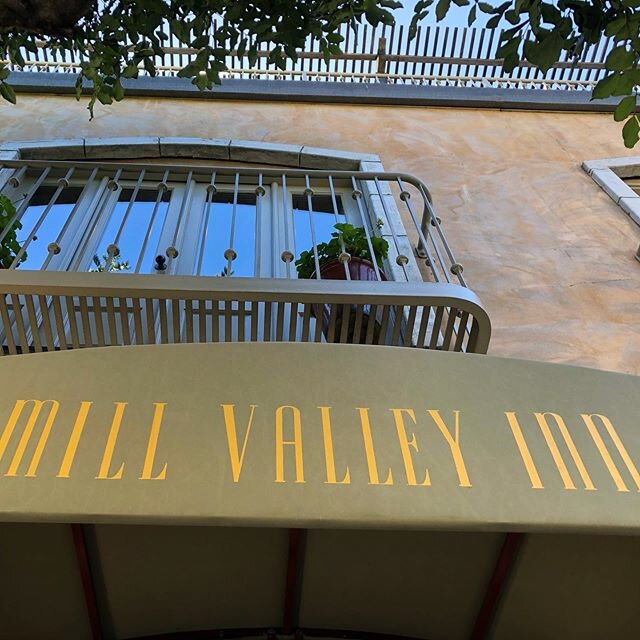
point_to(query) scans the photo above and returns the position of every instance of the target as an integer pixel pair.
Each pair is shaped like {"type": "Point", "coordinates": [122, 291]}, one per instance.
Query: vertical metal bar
{"type": "Point", "coordinates": [424, 325]}
{"type": "Point", "coordinates": [215, 320]}
{"type": "Point", "coordinates": [384, 325]}
{"type": "Point", "coordinates": [357, 196]}
{"type": "Point", "coordinates": [46, 322]}
{"type": "Point", "coordinates": [54, 247]}
{"type": "Point", "coordinates": [401, 258]}
{"type": "Point", "coordinates": [293, 321]}
{"type": "Point", "coordinates": [71, 318]}
{"type": "Point", "coordinates": [151, 325]}
{"type": "Point", "coordinates": [257, 266]}
{"type": "Point", "coordinates": [309, 193]}
{"type": "Point", "coordinates": [164, 328]}
{"type": "Point", "coordinates": [202, 320]}
{"type": "Point", "coordinates": [279, 321]}
{"type": "Point", "coordinates": [172, 251]}
{"type": "Point", "coordinates": [267, 321]}
{"type": "Point", "coordinates": [345, 320]}
{"type": "Point", "coordinates": [175, 320]}
{"type": "Point", "coordinates": [333, 313]}
{"type": "Point", "coordinates": [162, 188]}
{"type": "Point", "coordinates": [462, 330]}
{"type": "Point", "coordinates": [111, 321]}
{"type": "Point", "coordinates": [398, 311]}
{"type": "Point", "coordinates": [62, 184]}
{"type": "Point", "coordinates": [59, 322]}
{"type": "Point", "coordinates": [357, 326]}
{"type": "Point", "coordinates": [228, 320]}
{"type": "Point", "coordinates": [407, 338]}
{"type": "Point", "coordinates": [290, 250]}
{"type": "Point", "coordinates": [25, 203]}
{"type": "Point", "coordinates": [86, 325]}
{"type": "Point", "coordinates": [97, 316]}
{"type": "Point", "coordinates": [435, 331]}
{"type": "Point", "coordinates": [230, 254]}
{"type": "Point", "coordinates": [137, 320]}
{"type": "Point", "coordinates": [448, 332]}
{"type": "Point", "coordinates": [19, 320]}
{"type": "Point", "coordinates": [255, 313]}
{"type": "Point", "coordinates": [113, 249]}
{"type": "Point", "coordinates": [188, 310]}
{"type": "Point", "coordinates": [8, 328]}
{"type": "Point", "coordinates": [241, 319]}
{"type": "Point", "coordinates": [334, 205]}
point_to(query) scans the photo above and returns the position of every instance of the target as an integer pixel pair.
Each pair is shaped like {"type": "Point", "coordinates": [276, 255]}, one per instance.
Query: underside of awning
{"type": "Point", "coordinates": [128, 581]}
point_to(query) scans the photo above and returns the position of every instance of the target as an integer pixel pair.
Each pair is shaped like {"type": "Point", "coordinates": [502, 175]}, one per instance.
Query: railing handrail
{"type": "Point", "coordinates": [227, 169]}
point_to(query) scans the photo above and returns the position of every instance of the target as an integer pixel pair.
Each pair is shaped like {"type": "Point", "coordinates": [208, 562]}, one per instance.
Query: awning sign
{"type": "Point", "coordinates": [317, 435]}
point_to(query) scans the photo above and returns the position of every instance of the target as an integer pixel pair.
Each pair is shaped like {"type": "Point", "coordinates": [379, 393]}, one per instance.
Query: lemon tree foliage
{"type": "Point", "coordinates": [116, 39]}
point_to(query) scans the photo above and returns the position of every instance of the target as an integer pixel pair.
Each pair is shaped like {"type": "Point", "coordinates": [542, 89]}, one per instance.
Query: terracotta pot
{"type": "Point", "coordinates": [359, 269]}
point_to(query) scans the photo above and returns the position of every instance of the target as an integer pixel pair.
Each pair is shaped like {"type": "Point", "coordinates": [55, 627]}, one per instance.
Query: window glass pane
{"type": "Point", "coordinates": [323, 219]}
{"type": "Point", "coordinates": [218, 236]}
{"type": "Point", "coordinates": [50, 226]}
{"type": "Point", "coordinates": [138, 226]}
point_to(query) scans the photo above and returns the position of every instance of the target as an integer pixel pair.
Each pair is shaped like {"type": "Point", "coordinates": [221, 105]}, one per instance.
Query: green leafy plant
{"type": "Point", "coordinates": [355, 243]}
{"type": "Point", "coordinates": [116, 39]}
{"type": "Point", "coordinates": [104, 265]}
{"type": "Point", "coordinates": [10, 246]}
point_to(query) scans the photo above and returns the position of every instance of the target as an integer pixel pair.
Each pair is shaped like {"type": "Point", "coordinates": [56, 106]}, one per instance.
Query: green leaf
{"type": "Point", "coordinates": [624, 108]}
{"type": "Point", "coordinates": [619, 59]}
{"type": "Point", "coordinates": [631, 132]}
{"type": "Point", "coordinates": [7, 92]}
{"type": "Point", "coordinates": [485, 7]}
{"type": "Point", "coordinates": [442, 8]}
{"type": "Point", "coordinates": [472, 15]}
{"type": "Point", "coordinates": [544, 53]}
{"type": "Point", "coordinates": [130, 71]}
{"type": "Point", "coordinates": [606, 87]}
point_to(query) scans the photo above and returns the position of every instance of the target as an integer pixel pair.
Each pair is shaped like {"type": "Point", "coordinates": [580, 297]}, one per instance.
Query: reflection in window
{"type": "Point", "coordinates": [217, 236]}
{"type": "Point", "coordinates": [140, 234]}
{"type": "Point", "coordinates": [323, 218]}
{"type": "Point", "coordinates": [49, 227]}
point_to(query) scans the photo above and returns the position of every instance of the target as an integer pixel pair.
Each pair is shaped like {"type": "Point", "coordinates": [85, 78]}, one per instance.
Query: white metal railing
{"type": "Point", "coordinates": [438, 55]}
{"type": "Point", "coordinates": [163, 235]}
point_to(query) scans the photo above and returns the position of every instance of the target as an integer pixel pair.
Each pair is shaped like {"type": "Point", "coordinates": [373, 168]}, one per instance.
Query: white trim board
{"type": "Point", "coordinates": [608, 174]}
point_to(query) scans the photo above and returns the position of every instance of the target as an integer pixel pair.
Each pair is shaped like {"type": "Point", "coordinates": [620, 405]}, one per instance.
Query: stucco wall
{"type": "Point", "coordinates": [550, 255]}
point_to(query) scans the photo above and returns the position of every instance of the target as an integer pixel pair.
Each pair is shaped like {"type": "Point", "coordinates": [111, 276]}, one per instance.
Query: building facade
{"type": "Point", "coordinates": [510, 219]}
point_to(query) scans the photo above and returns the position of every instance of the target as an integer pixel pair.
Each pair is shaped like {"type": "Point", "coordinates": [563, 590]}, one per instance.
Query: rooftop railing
{"type": "Point", "coordinates": [450, 56]}
{"type": "Point", "coordinates": [122, 253]}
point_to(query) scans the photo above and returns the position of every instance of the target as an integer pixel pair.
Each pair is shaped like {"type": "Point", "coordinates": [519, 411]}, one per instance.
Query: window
{"type": "Point", "coordinates": [197, 225]}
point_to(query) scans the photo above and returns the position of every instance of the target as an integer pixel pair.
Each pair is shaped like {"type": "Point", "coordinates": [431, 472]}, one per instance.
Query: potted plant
{"type": "Point", "coordinates": [353, 241]}
{"type": "Point", "coordinates": [9, 247]}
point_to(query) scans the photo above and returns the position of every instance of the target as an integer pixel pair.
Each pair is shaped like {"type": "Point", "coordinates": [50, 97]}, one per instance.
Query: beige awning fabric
{"type": "Point", "coordinates": [337, 491]}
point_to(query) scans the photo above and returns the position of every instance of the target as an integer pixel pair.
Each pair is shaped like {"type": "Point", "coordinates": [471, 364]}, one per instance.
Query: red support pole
{"type": "Point", "coordinates": [293, 580]}
{"type": "Point", "coordinates": [91, 602]}
{"type": "Point", "coordinates": [495, 589]}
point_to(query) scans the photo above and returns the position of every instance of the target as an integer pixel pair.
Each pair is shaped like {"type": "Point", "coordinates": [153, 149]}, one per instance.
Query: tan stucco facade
{"type": "Point", "coordinates": [549, 253]}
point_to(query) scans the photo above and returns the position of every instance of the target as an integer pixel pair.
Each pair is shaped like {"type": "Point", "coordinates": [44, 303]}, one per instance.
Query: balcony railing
{"type": "Point", "coordinates": [447, 56]}
{"type": "Point", "coordinates": [120, 253]}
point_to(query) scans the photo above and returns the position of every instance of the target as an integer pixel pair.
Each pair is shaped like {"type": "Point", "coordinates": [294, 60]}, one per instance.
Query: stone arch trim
{"type": "Point", "coordinates": [250, 151]}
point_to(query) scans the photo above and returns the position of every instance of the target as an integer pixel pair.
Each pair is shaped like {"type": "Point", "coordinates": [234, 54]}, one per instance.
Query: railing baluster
{"type": "Point", "coordinates": [24, 204]}
{"type": "Point", "coordinates": [113, 250]}
{"type": "Point", "coordinates": [63, 183]}
{"type": "Point", "coordinates": [162, 189]}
